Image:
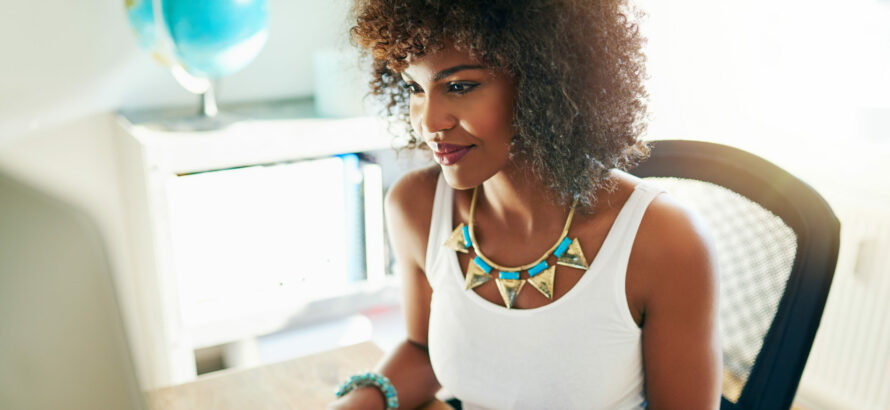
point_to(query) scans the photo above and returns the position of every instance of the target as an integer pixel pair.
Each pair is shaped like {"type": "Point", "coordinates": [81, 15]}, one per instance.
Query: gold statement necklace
{"type": "Point", "coordinates": [540, 274]}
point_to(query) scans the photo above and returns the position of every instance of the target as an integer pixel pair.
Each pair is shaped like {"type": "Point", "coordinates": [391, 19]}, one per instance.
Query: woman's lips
{"type": "Point", "coordinates": [449, 154]}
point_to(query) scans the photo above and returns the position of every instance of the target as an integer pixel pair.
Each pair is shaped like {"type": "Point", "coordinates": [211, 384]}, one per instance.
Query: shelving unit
{"type": "Point", "coordinates": [152, 156]}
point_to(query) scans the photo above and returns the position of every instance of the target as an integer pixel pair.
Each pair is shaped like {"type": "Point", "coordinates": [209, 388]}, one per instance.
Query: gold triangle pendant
{"type": "Point", "coordinates": [509, 289]}
{"type": "Point", "coordinates": [456, 241]}
{"type": "Point", "coordinates": [543, 281]}
{"type": "Point", "coordinates": [475, 275]}
{"type": "Point", "coordinates": [573, 257]}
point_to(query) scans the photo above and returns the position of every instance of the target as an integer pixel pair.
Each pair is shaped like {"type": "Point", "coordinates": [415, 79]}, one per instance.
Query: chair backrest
{"type": "Point", "coordinates": [777, 243]}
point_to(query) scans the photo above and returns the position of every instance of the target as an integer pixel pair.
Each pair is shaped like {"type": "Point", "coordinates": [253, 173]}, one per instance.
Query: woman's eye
{"type": "Point", "coordinates": [412, 88]}
{"type": "Point", "coordinates": [461, 87]}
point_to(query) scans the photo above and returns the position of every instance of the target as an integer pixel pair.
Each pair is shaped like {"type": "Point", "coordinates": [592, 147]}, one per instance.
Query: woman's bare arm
{"type": "Point", "coordinates": [681, 340]}
{"type": "Point", "coordinates": [408, 212]}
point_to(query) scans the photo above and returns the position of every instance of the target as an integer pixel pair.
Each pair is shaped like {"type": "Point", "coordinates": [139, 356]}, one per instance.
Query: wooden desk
{"type": "Point", "coordinates": [303, 383]}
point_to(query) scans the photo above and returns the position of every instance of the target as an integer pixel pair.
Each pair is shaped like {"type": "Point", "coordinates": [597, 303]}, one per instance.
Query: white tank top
{"type": "Point", "coordinates": [582, 351]}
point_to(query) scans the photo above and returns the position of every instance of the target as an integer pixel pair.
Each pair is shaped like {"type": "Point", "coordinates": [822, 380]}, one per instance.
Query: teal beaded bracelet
{"type": "Point", "coordinates": [377, 380]}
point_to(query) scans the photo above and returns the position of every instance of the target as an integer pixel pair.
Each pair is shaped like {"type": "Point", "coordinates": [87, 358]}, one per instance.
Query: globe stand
{"type": "Point", "coordinates": [208, 103]}
{"type": "Point", "coordinates": [208, 118]}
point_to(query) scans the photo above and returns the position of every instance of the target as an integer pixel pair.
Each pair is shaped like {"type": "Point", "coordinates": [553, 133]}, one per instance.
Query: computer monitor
{"type": "Point", "coordinates": [62, 340]}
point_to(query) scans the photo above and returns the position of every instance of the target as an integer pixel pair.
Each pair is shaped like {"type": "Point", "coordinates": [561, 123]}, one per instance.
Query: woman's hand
{"type": "Point", "coordinates": [362, 398]}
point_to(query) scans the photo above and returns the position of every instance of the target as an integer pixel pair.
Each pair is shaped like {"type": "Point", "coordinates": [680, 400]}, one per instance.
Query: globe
{"type": "Point", "coordinates": [150, 35]}
{"type": "Point", "coordinates": [215, 38]}
{"type": "Point", "coordinates": [200, 41]}
{"type": "Point", "coordinates": [140, 13]}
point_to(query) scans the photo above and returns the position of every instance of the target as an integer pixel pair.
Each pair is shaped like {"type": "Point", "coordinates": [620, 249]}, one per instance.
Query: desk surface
{"type": "Point", "coordinates": [303, 383]}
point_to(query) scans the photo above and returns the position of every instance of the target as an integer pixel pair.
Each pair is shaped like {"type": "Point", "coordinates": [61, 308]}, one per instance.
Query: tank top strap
{"type": "Point", "coordinates": [623, 233]}
{"type": "Point", "coordinates": [624, 229]}
{"type": "Point", "coordinates": [440, 228]}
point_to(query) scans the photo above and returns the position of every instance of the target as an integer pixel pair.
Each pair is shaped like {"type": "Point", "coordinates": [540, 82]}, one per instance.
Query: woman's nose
{"type": "Point", "coordinates": [435, 117]}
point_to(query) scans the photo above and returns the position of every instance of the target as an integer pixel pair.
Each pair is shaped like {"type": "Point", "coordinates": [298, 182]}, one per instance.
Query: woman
{"type": "Point", "coordinates": [533, 110]}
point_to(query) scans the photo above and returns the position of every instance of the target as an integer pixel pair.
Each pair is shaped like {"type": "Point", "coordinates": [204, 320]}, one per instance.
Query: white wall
{"type": "Point", "coordinates": [804, 84]}
{"type": "Point", "coordinates": [66, 59]}
{"type": "Point", "coordinates": [792, 68]}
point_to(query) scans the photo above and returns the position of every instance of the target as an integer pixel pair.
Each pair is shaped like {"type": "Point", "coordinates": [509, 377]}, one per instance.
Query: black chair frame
{"type": "Point", "coordinates": [774, 378]}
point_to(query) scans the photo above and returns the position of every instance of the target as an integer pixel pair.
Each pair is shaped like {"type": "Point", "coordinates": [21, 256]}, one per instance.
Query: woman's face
{"type": "Point", "coordinates": [464, 112]}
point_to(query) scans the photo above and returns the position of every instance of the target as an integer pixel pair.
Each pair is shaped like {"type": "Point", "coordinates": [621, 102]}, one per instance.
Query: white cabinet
{"type": "Point", "coordinates": [234, 233]}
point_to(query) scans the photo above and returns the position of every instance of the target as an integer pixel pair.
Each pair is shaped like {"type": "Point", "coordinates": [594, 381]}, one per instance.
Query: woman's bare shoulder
{"type": "Point", "coordinates": [672, 231]}
{"type": "Point", "coordinates": [675, 250]}
{"type": "Point", "coordinates": [413, 193]}
{"type": "Point", "coordinates": [409, 208]}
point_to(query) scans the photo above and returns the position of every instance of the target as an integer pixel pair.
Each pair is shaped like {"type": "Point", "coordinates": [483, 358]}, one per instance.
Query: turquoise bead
{"type": "Point", "coordinates": [510, 275]}
{"type": "Point", "coordinates": [467, 239]}
{"type": "Point", "coordinates": [538, 268]}
{"type": "Point", "coordinates": [482, 264]}
{"type": "Point", "coordinates": [562, 247]}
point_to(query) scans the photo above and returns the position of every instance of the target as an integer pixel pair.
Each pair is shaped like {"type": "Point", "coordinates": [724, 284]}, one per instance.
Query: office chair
{"type": "Point", "coordinates": [777, 244]}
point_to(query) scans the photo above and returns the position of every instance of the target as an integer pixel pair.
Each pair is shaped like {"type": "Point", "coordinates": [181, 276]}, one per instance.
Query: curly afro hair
{"type": "Point", "coordinates": [578, 67]}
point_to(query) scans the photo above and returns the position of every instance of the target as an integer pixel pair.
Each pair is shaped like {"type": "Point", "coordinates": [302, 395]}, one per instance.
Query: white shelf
{"type": "Point", "coordinates": [264, 139]}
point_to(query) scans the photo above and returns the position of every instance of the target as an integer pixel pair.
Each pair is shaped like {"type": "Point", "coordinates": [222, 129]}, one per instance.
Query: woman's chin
{"type": "Point", "coordinates": [456, 180]}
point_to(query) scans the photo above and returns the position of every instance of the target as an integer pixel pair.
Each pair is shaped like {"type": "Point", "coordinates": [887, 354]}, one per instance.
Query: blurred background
{"type": "Point", "coordinates": [225, 256]}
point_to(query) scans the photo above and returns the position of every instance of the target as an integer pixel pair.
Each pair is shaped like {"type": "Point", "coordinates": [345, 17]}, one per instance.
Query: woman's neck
{"type": "Point", "coordinates": [516, 199]}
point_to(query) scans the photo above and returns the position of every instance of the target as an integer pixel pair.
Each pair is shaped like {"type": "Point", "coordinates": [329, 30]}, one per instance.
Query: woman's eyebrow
{"type": "Point", "coordinates": [449, 71]}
